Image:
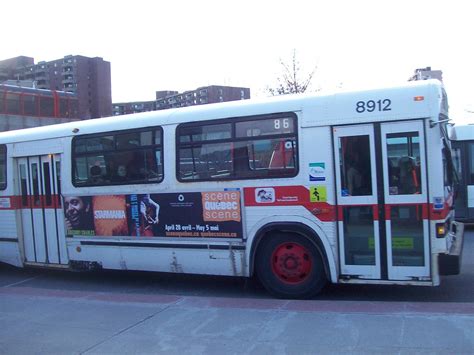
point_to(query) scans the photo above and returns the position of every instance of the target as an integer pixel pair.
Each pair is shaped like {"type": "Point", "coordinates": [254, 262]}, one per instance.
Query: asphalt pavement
{"type": "Point", "coordinates": [36, 321]}
{"type": "Point", "coordinates": [47, 320]}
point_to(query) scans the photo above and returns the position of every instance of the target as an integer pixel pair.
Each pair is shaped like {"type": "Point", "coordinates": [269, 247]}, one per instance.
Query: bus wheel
{"type": "Point", "coordinates": [290, 266]}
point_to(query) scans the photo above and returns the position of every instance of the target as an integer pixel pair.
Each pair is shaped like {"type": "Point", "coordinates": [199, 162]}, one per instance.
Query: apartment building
{"type": "Point", "coordinates": [125, 108]}
{"type": "Point", "coordinates": [173, 99]}
{"type": "Point", "coordinates": [201, 96]}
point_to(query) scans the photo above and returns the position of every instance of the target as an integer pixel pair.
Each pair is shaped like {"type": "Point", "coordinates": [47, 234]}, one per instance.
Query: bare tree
{"type": "Point", "coordinates": [292, 81]}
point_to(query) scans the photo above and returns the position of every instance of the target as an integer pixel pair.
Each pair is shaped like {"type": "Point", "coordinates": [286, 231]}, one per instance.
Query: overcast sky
{"type": "Point", "coordinates": [181, 45]}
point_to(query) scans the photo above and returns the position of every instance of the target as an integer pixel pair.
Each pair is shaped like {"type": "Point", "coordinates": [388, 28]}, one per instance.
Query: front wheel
{"type": "Point", "coordinates": [290, 266]}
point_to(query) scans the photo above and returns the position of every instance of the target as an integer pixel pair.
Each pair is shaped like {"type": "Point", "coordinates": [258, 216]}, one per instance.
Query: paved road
{"type": "Point", "coordinates": [458, 288]}
{"type": "Point", "coordinates": [141, 313]}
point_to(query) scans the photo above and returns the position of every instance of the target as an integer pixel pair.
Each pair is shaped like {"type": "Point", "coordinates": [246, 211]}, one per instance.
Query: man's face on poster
{"type": "Point", "coordinates": [75, 209]}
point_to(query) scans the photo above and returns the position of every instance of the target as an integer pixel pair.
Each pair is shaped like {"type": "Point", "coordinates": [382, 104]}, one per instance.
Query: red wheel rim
{"type": "Point", "coordinates": [291, 263]}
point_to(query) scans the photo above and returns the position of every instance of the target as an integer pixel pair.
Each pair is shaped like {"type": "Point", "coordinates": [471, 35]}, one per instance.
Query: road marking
{"type": "Point", "coordinates": [21, 282]}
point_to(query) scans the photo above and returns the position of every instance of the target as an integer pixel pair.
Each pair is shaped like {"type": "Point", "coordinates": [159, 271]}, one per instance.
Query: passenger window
{"type": "Point", "coordinates": [132, 157]}
{"type": "Point", "coordinates": [356, 168]}
{"type": "Point", "coordinates": [35, 184]}
{"type": "Point", "coordinates": [3, 167]}
{"type": "Point", "coordinates": [23, 186]}
{"type": "Point", "coordinates": [245, 148]}
{"type": "Point", "coordinates": [403, 150]}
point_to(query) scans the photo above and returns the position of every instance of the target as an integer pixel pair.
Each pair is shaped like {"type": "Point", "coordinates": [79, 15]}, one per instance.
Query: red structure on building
{"type": "Point", "coordinates": [88, 78]}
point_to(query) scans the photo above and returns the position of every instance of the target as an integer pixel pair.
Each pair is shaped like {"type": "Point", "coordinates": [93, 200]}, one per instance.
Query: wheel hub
{"type": "Point", "coordinates": [291, 263]}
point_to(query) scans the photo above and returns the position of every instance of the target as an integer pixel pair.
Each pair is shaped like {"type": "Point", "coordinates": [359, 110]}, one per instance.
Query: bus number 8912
{"type": "Point", "coordinates": [371, 105]}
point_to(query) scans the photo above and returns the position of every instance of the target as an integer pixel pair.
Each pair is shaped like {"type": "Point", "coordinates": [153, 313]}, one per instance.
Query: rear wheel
{"type": "Point", "coordinates": [290, 266]}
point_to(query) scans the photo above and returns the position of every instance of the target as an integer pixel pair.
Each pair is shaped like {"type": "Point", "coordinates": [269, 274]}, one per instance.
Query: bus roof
{"type": "Point", "coordinates": [325, 108]}
{"type": "Point", "coordinates": [462, 132]}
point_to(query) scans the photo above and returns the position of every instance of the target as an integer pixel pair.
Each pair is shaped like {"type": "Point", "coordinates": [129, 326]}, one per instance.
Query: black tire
{"type": "Point", "coordinates": [290, 266]}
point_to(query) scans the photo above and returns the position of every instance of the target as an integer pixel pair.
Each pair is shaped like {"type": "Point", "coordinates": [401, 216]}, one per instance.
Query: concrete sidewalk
{"type": "Point", "coordinates": [38, 321]}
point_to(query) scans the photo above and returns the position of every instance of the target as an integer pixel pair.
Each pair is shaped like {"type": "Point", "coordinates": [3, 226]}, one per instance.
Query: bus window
{"type": "Point", "coordinates": [23, 185]}
{"type": "Point", "coordinates": [121, 158]}
{"type": "Point", "coordinates": [128, 140]}
{"type": "Point", "coordinates": [449, 170]}
{"type": "Point", "coordinates": [94, 144]}
{"type": "Point", "coordinates": [456, 156]}
{"type": "Point", "coordinates": [209, 132]}
{"type": "Point", "coordinates": [283, 154]}
{"type": "Point", "coordinates": [3, 167]}
{"type": "Point", "coordinates": [35, 184]}
{"type": "Point", "coordinates": [58, 182]}
{"type": "Point", "coordinates": [47, 184]}
{"type": "Point", "coordinates": [356, 170]}
{"type": "Point", "coordinates": [245, 149]}
{"type": "Point", "coordinates": [209, 161]}
{"type": "Point", "coordinates": [403, 150]}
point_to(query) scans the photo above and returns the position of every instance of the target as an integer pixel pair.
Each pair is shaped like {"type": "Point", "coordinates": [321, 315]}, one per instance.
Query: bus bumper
{"type": "Point", "coordinates": [450, 264]}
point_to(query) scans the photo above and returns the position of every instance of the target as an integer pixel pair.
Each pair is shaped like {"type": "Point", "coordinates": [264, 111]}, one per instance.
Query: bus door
{"type": "Point", "coordinates": [358, 217]}
{"type": "Point", "coordinates": [41, 213]}
{"type": "Point", "coordinates": [406, 200]}
{"type": "Point", "coordinates": [382, 201]}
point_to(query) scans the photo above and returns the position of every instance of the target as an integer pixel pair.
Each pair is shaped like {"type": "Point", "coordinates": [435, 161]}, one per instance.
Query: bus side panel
{"type": "Point", "coordinates": [10, 253]}
{"type": "Point", "coordinates": [229, 262]}
{"type": "Point", "coordinates": [9, 245]}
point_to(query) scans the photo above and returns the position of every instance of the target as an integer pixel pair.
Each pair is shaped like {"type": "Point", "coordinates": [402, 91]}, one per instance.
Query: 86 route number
{"type": "Point", "coordinates": [372, 105]}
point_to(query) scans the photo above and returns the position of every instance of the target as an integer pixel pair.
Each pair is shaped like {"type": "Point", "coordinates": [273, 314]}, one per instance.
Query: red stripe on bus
{"type": "Point", "coordinates": [290, 196]}
{"type": "Point", "coordinates": [283, 196]}
{"type": "Point", "coordinates": [421, 210]}
{"type": "Point", "coordinates": [32, 202]}
{"type": "Point", "coordinates": [301, 196]}
{"type": "Point", "coordinates": [340, 209]}
{"type": "Point", "coordinates": [439, 214]}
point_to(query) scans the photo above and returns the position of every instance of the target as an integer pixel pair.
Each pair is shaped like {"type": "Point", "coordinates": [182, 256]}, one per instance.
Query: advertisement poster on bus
{"type": "Point", "coordinates": [214, 214]}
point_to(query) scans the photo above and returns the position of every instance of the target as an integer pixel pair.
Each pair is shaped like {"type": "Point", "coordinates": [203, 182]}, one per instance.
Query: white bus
{"type": "Point", "coordinates": [351, 187]}
{"type": "Point", "coordinates": [463, 152]}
